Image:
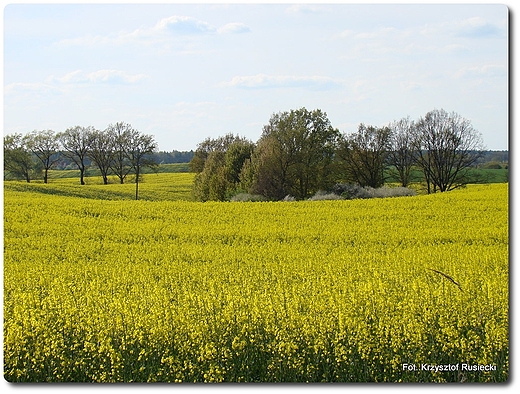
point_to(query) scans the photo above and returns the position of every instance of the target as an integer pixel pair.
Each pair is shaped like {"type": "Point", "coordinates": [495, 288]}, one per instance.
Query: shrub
{"type": "Point", "coordinates": [493, 165]}
{"type": "Point", "coordinates": [244, 197]}
{"type": "Point", "coordinates": [383, 192]}
{"type": "Point", "coordinates": [322, 195]}
{"type": "Point", "coordinates": [353, 191]}
{"type": "Point", "coordinates": [350, 191]}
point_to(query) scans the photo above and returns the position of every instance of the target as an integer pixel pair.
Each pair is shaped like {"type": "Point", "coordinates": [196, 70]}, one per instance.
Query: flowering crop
{"type": "Point", "coordinates": [318, 291]}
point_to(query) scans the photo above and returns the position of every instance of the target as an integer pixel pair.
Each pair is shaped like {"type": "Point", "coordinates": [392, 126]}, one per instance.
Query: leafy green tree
{"type": "Point", "coordinates": [18, 161]}
{"type": "Point", "coordinates": [209, 145]}
{"type": "Point", "coordinates": [221, 176]}
{"type": "Point", "coordinates": [210, 184]}
{"type": "Point", "coordinates": [294, 155]}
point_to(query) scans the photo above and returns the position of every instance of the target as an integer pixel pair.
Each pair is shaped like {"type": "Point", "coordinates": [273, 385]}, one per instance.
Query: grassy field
{"type": "Point", "coordinates": [163, 186]}
{"type": "Point", "coordinates": [101, 288]}
{"type": "Point", "coordinates": [93, 172]}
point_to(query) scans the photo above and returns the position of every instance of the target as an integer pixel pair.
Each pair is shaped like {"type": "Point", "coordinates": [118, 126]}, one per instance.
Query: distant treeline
{"type": "Point", "coordinates": [498, 159]}
{"type": "Point", "coordinates": [490, 159]}
{"type": "Point", "coordinates": [160, 157]}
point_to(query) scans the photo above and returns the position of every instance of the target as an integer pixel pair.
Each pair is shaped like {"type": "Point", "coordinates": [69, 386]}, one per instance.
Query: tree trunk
{"type": "Point", "coordinates": [137, 184]}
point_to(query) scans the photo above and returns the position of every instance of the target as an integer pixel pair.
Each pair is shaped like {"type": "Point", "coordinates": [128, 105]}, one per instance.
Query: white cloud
{"type": "Point", "coordinates": [164, 30]}
{"type": "Point", "coordinates": [29, 87]}
{"type": "Point", "coordinates": [411, 86]}
{"type": "Point", "coordinates": [183, 25]}
{"type": "Point", "coordinates": [345, 34]}
{"type": "Point", "coordinates": [98, 77]}
{"type": "Point", "coordinates": [486, 71]}
{"type": "Point", "coordinates": [478, 27]}
{"type": "Point", "coordinates": [302, 9]}
{"type": "Point", "coordinates": [235, 27]}
{"type": "Point", "coordinates": [263, 81]}
{"type": "Point", "coordinates": [475, 27]}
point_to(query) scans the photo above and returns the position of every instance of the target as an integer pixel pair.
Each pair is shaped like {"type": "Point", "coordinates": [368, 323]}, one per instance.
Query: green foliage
{"type": "Point", "coordinates": [295, 154]}
{"type": "Point", "coordinates": [18, 161]}
{"type": "Point", "coordinates": [221, 176]}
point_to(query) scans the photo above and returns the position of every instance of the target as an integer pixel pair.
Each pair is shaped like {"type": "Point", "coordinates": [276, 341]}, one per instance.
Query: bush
{"type": "Point", "coordinates": [493, 165]}
{"type": "Point", "coordinates": [352, 191]}
{"type": "Point", "coordinates": [321, 195]}
{"type": "Point", "coordinates": [383, 192]}
{"type": "Point", "coordinates": [245, 197]}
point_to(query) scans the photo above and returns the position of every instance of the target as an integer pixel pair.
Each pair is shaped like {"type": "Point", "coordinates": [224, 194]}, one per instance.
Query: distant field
{"type": "Point", "coordinates": [170, 186]}
{"type": "Point", "coordinates": [169, 182]}
{"type": "Point", "coordinates": [93, 172]}
{"type": "Point", "coordinates": [477, 175]}
{"type": "Point", "coordinates": [311, 291]}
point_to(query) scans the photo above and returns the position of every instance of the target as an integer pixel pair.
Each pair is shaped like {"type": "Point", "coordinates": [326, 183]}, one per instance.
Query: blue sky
{"type": "Point", "coordinates": [184, 72]}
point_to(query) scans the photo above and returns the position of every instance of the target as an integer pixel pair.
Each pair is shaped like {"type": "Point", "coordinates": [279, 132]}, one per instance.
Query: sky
{"type": "Point", "coordinates": [186, 72]}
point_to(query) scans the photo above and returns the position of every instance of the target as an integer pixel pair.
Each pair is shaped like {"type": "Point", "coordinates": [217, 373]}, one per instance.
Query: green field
{"type": "Point", "coordinates": [99, 287]}
{"type": "Point", "coordinates": [162, 186]}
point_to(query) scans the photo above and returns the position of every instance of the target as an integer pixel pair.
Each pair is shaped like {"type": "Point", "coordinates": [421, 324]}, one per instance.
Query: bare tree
{"type": "Point", "coordinates": [447, 146]}
{"type": "Point", "coordinates": [402, 154]}
{"type": "Point", "coordinates": [45, 146]}
{"type": "Point", "coordinates": [102, 152]}
{"type": "Point", "coordinates": [139, 154]}
{"type": "Point", "coordinates": [76, 142]}
{"type": "Point", "coordinates": [364, 155]}
{"type": "Point", "coordinates": [122, 134]}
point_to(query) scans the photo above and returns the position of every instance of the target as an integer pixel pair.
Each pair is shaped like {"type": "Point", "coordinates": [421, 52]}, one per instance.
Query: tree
{"type": "Point", "coordinates": [139, 153]}
{"type": "Point", "coordinates": [402, 154]}
{"type": "Point", "coordinates": [76, 142]}
{"type": "Point", "coordinates": [102, 152]}
{"type": "Point", "coordinates": [364, 155]}
{"type": "Point", "coordinates": [45, 146]}
{"type": "Point", "coordinates": [210, 184]}
{"type": "Point", "coordinates": [294, 154]}
{"type": "Point", "coordinates": [209, 145]}
{"type": "Point", "coordinates": [221, 176]}
{"type": "Point", "coordinates": [18, 161]}
{"type": "Point", "coordinates": [236, 155]}
{"type": "Point", "coordinates": [447, 146]}
{"type": "Point", "coordinates": [121, 133]}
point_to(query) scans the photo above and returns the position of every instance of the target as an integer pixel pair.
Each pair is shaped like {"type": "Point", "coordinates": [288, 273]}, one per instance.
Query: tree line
{"type": "Point", "coordinates": [118, 150]}
{"type": "Point", "coordinates": [160, 157]}
{"type": "Point", "coordinates": [300, 153]}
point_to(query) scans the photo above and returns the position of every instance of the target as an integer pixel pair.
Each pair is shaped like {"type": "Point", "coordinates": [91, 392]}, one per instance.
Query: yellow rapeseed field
{"type": "Point", "coordinates": [411, 289]}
